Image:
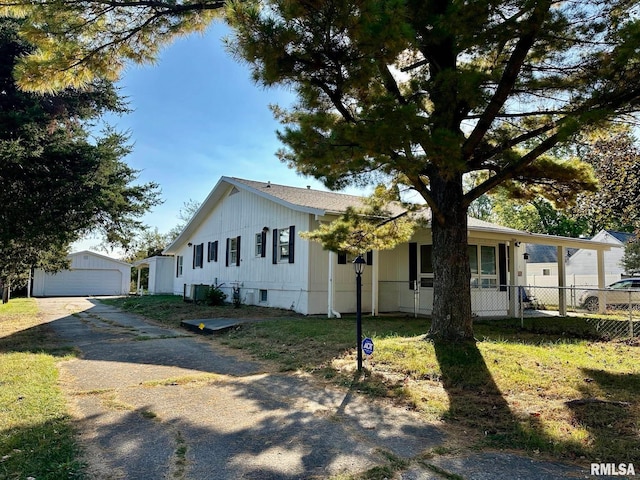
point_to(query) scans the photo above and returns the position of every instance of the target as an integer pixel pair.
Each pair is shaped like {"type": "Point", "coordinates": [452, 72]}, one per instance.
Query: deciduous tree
{"type": "Point", "coordinates": [615, 159]}
{"type": "Point", "coordinates": [631, 258]}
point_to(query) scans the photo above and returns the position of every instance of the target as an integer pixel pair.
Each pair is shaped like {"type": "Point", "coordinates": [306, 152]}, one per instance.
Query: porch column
{"type": "Point", "coordinates": [562, 282]}
{"type": "Point", "coordinates": [138, 286]}
{"type": "Point", "coordinates": [512, 289]}
{"type": "Point", "coordinates": [602, 305]}
{"type": "Point", "coordinates": [374, 283]}
{"type": "Point", "coordinates": [330, 286]}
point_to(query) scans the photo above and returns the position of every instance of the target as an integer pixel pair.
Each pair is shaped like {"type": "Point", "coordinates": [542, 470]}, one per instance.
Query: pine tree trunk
{"type": "Point", "coordinates": [451, 317]}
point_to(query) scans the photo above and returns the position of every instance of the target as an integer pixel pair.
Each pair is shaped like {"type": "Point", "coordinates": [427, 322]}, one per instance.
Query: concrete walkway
{"type": "Point", "coordinates": [153, 403]}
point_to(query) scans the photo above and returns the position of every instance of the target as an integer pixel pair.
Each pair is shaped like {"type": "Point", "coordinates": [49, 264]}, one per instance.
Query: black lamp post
{"type": "Point", "coordinates": [358, 265]}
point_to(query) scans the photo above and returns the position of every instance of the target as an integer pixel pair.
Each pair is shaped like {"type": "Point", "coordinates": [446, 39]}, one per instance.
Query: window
{"type": "Point", "coordinates": [283, 245]}
{"type": "Point", "coordinates": [212, 251]}
{"type": "Point", "coordinates": [233, 251]}
{"type": "Point", "coordinates": [483, 263]}
{"type": "Point", "coordinates": [179, 261]}
{"type": "Point", "coordinates": [263, 296]}
{"type": "Point", "coordinates": [546, 272]}
{"type": "Point", "coordinates": [261, 240]}
{"type": "Point", "coordinates": [198, 251]}
{"type": "Point", "coordinates": [426, 266]}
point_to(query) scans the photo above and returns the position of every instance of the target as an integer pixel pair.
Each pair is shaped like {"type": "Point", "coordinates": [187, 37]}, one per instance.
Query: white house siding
{"type": "Point", "coordinates": [582, 267]}
{"type": "Point", "coordinates": [584, 262]}
{"type": "Point", "coordinates": [245, 214]}
{"type": "Point", "coordinates": [318, 275]}
{"type": "Point", "coordinates": [89, 274]}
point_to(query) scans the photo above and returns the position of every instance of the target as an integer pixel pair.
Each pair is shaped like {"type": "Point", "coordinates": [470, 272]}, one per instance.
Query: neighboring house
{"type": "Point", "coordinates": [581, 264]}
{"type": "Point", "coordinates": [89, 274]}
{"type": "Point", "coordinates": [160, 279]}
{"type": "Point", "coordinates": [245, 234]}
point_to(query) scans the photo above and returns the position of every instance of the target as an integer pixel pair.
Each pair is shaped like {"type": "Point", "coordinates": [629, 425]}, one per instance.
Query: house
{"type": "Point", "coordinates": [581, 263]}
{"type": "Point", "coordinates": [245, 235]}
{"type": "Point", "coordinates": [89, 274]}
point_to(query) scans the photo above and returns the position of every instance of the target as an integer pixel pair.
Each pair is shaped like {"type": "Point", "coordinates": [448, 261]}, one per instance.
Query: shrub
{"type": "Point", "coordinates": [215, 296]}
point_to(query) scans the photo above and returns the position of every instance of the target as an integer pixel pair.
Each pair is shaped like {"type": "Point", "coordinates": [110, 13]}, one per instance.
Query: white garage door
{"type": "Point", "coordinates": [83, 282]}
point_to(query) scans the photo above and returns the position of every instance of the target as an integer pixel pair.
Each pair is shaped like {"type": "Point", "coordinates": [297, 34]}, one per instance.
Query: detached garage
{"type": "Point", "coordinates": [90, 274]}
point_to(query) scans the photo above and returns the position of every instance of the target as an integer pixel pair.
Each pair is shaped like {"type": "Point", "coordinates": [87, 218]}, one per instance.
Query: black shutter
{"type": "Point", "coordinates": [413, 265]}
{"type": "Point", "coordinates": [342, 258]}
{"type": "Point", "coordinates": [177, 266]}
{"type": "Point", "coordinates": [274, 258]}
{"type": "Point", "coordinates": [238, 251]}
{"type": "Point", "coordinates": [292, 243]}
{"type": "Point", "coordinates": [209, 251]}
{"type": "Point", "coordinates": [193, 260]}
{"type": "Point", "coordinates": [215, 251]}
{"type": "Point", "coordinates": [227, 255]}
{"type": "Point", "coordinates": [502, 266]}
{"type": "Point", "coordinates": [370, 257]}
{"type": "Point", "coordinates": [263, 253]}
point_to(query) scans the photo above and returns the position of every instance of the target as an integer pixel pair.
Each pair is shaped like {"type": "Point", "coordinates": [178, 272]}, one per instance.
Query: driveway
{"type": "Point", "coordinates": [152, 403]}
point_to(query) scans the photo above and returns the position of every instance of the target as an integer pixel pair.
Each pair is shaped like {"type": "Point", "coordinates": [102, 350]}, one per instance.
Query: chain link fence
{"type": "Point", "coordinates": [592, 312]}
{"type": "Point", "coordinates": [608, 313]}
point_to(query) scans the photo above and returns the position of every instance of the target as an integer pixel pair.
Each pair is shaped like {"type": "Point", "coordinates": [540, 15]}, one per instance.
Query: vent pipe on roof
{"type": "Point", "coordinates": [308, 187]}
{"type": "Point", "coordinates": [269, 184]}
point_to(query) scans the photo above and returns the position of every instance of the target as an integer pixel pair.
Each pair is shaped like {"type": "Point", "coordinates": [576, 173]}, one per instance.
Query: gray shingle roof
{"type": "Point", "coordinates": [545, 253]}
{"type": "Point", "coordinates": [622, 237]}
{"type": "Point", "coordinates": [330, 202]}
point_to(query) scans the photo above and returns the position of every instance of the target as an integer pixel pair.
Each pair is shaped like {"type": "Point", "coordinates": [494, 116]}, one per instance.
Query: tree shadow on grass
{"type": "Point", "coordinates": [609, 411]}
{"type": "Point", "coordinates": [476, 403]}
{"type": "Point", "coordinates": [474, 398]}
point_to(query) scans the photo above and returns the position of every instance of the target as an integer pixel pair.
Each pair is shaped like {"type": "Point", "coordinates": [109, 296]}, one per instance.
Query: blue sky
{"type": "Point", "coordinates": [197, 116]}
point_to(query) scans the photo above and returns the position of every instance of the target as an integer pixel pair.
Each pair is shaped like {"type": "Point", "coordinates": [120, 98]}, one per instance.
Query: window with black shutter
{"type": "Point", "coordinates": [212, 251]}
{"type": "Point", "coordinates": [198, 252]}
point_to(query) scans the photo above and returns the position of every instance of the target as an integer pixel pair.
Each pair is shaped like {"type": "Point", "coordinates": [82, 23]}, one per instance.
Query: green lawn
{"type": "Point", "coordinates": [550, 388]}
{"type": "Point", "coordinates": [36, 436]}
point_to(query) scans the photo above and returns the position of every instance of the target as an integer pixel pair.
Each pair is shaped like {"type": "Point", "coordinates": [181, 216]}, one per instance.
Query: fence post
{"type": "Point", "coordinates": [630, 317]}
{"type": "Point", "coordinates": [416, 299]}
{"type": "Point", "coordinates": [521, 303]}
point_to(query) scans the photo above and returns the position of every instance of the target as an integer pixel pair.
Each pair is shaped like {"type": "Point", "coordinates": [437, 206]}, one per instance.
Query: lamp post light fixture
{"type": "Point", "coordinates": [358, 265]}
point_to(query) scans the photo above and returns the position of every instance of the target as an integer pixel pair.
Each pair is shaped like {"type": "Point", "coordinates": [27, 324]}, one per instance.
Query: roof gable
{"type": "Point", "coordinates": [297, 198]}
{"type": "Point", "coordinates": [98, 255]}
{"type": "Point", "coordinates": [622, 237]}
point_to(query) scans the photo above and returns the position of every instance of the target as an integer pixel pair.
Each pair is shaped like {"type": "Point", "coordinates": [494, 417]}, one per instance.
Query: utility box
{"type": "Point", "coordinates": [199, 293]}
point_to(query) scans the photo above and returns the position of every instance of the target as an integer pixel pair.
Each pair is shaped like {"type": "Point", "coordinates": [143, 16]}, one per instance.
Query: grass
{"type": "Point", "coordinates": [549, 388]}
{"type": "Point", "coordinates": [36, 436]}
{"type": "Point", "coordinates": [171, 309]}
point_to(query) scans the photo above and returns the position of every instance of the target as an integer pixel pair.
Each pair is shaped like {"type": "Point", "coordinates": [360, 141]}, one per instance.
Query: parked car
{"type": "Point", "coordinates": [619, 294]}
